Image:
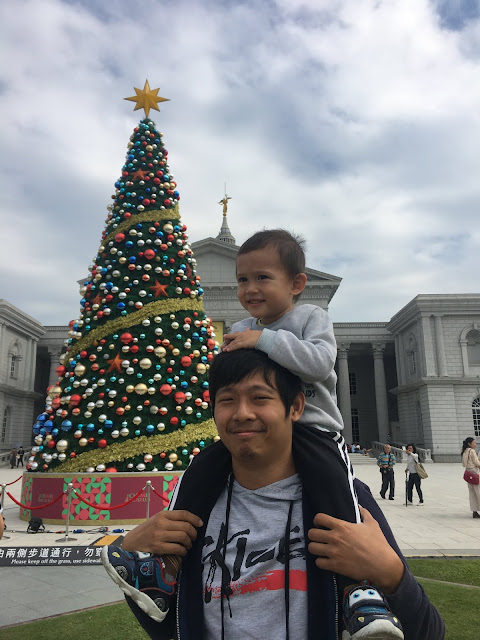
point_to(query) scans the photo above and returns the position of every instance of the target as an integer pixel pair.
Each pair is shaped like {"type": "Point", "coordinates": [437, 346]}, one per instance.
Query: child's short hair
{"type": "Point", "coordinates": [290, 247]}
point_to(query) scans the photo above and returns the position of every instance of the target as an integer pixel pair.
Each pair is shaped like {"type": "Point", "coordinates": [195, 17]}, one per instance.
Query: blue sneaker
{"type": "Point", "coordinates": [366, 615]}
{"type": "Point", "coordinates": [141, 576]}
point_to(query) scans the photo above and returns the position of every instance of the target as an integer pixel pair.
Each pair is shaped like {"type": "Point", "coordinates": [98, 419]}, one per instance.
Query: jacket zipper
{"type": "Point", "coordinates": [177, 607]}
{"type": "Point", "coordinates": [336, 602]}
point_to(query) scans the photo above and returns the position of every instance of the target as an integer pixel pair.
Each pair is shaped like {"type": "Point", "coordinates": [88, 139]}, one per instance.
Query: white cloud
{"type": "Point", "coordinates": [354, 123]}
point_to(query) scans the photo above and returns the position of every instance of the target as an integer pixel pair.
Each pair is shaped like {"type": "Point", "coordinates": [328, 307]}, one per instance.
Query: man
{"type": "Point", "coordinates": [386, 462]}
{"type": "Point", "coordinates": [257, 560]}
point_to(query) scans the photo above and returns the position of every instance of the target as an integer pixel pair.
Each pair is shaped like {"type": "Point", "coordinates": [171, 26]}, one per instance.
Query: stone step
{"type": "Point", "coordinates": [357, 459]}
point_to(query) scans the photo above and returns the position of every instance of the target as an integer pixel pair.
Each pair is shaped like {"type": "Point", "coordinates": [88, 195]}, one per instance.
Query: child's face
{"type": "Point", "coordinates": [265, 289]}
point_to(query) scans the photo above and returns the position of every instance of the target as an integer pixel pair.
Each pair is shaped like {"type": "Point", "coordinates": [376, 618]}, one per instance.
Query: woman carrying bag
{"type": "Point", "coordinates": [472, 470]}
{"type": "Point", "coordinates": [413, 476]}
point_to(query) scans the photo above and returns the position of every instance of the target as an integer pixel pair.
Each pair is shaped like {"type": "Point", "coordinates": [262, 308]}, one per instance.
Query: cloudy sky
{"type": "Point", "coordinates": [353, 122]}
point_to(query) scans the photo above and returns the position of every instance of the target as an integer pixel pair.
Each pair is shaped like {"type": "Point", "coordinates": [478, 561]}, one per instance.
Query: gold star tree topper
{"type": "Point", "coordinates": [147, 98]}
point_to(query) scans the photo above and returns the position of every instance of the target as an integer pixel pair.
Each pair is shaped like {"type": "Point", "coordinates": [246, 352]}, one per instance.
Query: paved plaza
{"type": "Point", "coordinates": [443, 526]}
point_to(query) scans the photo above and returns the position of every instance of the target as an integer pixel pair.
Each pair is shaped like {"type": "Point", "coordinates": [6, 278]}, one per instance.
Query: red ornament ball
{"type": "Point", "coordinates": [149, 254]}
{"type": "Point", "coordinates": [126, 338]}
{"type": "Point", "coordinates": [75, 399]}
{"type": "Point", "coordinates": [102, 443]}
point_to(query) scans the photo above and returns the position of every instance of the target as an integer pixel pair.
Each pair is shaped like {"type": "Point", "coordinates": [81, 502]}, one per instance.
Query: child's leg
{"type": "Point", "coordinates": [145, 578]}
{"type": "Point", "coordinates": [148, 579]}
{"type": "Point", "coordinates": [325, 463]}
{"type": "Point", "coordinates": [322, 461]}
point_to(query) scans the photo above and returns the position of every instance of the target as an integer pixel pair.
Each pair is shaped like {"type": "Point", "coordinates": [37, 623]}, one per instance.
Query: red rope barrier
{"type": "Point", "coordinates": [9, 483]}
{"type": "Point", "coordinates": [107, 508]}
{"type": "Point", "coordinates": [166, 500]}
{"type": "Point", "coordinates": [42, 506]}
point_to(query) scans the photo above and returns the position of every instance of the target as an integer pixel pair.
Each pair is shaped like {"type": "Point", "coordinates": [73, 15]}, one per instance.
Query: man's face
{"type": "Point", "coordinates": [387, 448]}
{"type": "Point", "coordinates": [251, 421]}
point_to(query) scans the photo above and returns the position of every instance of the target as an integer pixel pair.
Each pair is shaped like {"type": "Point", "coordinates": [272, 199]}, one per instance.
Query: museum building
{"type": "Point", "coordinates": [413, 378]}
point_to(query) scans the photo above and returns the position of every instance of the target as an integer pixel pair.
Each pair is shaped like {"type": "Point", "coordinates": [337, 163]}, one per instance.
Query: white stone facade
{"type": "Point", "coordinates": [19, 335]}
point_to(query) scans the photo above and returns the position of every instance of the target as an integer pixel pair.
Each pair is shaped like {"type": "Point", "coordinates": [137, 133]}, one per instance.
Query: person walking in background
{"type": "Point", "coordinates": [13, 458]}
{"type": "Point", "coordinates": [471, 463]}
{"type": "Point", "coordinates": [413, 477]}
{"type": "Point", "coordinates": [386, 462]}
{"type": "Point", "coordinates": [20, 454]}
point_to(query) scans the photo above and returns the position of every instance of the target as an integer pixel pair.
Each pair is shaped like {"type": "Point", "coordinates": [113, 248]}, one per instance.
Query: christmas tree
{"type": "Point", "coordinates": [132, 393]}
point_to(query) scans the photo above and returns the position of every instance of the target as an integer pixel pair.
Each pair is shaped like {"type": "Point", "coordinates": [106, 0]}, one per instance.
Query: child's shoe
{"type": "Point", "coordinates": [366, 615]}
{"type": "Point", "coordinates": [141, 576]}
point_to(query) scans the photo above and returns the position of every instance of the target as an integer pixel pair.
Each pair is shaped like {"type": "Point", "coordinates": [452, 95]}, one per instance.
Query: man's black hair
{"type": "Point", "coordinates": [229, 368]}
{"type": "Point", "coordinates": [290, 247]}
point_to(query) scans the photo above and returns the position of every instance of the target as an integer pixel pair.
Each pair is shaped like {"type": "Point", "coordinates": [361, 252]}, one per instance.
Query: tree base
{"type": "Point", "coordinates": [109, 489]}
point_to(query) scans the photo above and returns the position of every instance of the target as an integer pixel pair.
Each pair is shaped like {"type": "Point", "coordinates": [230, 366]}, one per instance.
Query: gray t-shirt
{"type": "Point", "coordinates": [255, 564]}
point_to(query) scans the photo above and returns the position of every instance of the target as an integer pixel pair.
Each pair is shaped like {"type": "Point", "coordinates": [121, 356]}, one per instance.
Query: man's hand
{"type": "Point", "coordinates": [359, 551]}
{"type": "Point", "coordinates": [165, 533]}
{"type": "Point", "coordinates": [240, 340]}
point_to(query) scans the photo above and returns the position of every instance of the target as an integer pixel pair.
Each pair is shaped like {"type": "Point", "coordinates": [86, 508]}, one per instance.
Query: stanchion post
{"type": "Point", "coordinates": [4, 486]}
{"type": "Point", "coordinates": [149, 487]}
{"type": "Point", "coordinates": [66, 537]}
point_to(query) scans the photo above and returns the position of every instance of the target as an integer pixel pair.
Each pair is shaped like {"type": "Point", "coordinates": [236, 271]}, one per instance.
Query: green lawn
{"type": "Point", "coordinates": [458, 604]}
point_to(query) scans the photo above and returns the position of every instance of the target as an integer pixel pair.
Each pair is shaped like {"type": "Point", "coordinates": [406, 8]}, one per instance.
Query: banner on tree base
{"type": "Point", "coordinates": [49, 556]}
{"type": "Point", "coordinates": [105, 490]}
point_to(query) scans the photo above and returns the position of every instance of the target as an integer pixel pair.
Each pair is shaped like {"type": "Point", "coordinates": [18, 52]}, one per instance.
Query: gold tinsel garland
{"type": "Point", "coordinates": [157, 308]}
{"type": "Point", "coordinates": [138, 446]}
{"type": "Point", "coordinates": [155, 215]}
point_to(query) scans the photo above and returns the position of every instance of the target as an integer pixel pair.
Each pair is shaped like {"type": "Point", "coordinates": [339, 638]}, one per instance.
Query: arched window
{"type": "Point", "coordinates": [5, 425]}
{"type": "Point", "coordinates": [473, 347]}
{"type": "Point", "coordinates": [470, 346]}
{"type": "Point", "coordinates": [412, 355]}
{"type": "Point", "coordinates": [14, 359]}
{"type": "Point", "coordinates": [476, 416]}
{"type": "Point", "coordinates": [355, 426]}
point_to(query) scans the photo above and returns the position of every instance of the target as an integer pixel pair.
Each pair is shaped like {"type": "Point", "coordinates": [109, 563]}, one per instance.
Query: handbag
{"type": "Point", "coordinates": [420, 469]}
{"type": "Point", "coordinates": [471, 477]}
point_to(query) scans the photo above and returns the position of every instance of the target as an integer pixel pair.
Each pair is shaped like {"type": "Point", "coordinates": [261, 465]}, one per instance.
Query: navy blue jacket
{"type": "Point", "coordinates": [198, 492]}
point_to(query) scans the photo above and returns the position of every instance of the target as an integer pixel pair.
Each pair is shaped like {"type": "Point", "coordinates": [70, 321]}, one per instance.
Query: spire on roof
{"type": "Point", "coordinates": [225, 235]}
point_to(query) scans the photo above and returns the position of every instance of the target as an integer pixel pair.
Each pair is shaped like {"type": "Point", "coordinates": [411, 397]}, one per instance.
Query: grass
{"type": "Point", "coordinates": [459, 570]}
{"type": "Point", "coordinates": [456, 602]}
{"type": "Point", "coordinates": [110, 621]}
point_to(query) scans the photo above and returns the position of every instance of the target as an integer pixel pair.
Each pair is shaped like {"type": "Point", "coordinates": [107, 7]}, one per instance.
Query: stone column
{"type": "Point", "coordinates": [27, 371]}
{"type": "Point", "coordinates": [345, 404]}
{"type": "Point", "coordinates": [428, 347]}
{"type": "Point", "coordinates": [33, 364]}
{"type": "Point", "coordinates": [440, 344]}
{"type": "Point", "coordinates": [54, 363]}
{"type": "Point", "coordinates": [3, 355]}
{"type": "Point", "coordinates": [380, 392]}
{"type": "Point", "coordinates": [400, 359]}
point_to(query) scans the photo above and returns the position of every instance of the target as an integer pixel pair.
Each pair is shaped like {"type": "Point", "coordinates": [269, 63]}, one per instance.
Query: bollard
{"type": "Point", "coordinates": [4, 486]}
{"type": "Point", "coordinates": [66, 537]}
{"type": "Point", "coordinates": [149, 486]}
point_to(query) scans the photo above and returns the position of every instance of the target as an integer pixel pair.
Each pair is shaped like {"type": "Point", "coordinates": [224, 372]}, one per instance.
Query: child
{"type": "Point", "coordinates": [271, 277]}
